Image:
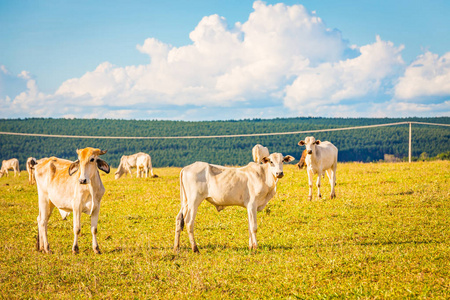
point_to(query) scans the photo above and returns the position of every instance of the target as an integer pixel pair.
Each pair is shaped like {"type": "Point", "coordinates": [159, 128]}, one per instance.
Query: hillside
{"type": "Point", "coordinates": [354, 145]}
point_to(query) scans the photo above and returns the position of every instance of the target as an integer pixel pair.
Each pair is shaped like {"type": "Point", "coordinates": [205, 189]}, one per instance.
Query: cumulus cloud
{"type": "Point", "coordinates": [329, 84]}
{"type": "Point", "coordinates": [283, 61]}
{"type": "Point", "coordinates": [427, 76]}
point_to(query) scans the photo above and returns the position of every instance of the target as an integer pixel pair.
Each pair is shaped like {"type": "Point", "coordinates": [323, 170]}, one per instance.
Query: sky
{"type": "Point", "coordinates": [220, 60]}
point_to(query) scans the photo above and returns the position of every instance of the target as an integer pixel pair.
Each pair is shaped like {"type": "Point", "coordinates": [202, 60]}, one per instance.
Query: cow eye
{"type": "Point", "coordinates": [92, 159]}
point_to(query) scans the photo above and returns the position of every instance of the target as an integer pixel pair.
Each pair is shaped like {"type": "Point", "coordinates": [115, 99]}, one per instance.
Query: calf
{"type": "Point", "coordinates": [70, 186]}
{"type": "Point", "coordinates": [13, 164]}
{"type": "Point", "coordinates": [251, 187]}
{"type": "Point", "coordinates": [321, 157]}
{"type": "Point", "coordinates": [141, 161]}
{"type": "Point", "coordinates": [259, 152]}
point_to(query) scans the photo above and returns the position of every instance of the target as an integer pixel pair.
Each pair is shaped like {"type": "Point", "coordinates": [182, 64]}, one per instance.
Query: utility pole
{"type": "Point", "coordinates": [409, 142]}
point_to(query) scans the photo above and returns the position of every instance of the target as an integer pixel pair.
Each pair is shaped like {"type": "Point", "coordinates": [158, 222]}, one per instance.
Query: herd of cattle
{"type": "Point", "coordinates": [77, 187]}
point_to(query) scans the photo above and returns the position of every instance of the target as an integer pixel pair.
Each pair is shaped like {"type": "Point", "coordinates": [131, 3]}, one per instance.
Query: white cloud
{"type": "Point", "coordinates": [427, 76]}
{"type": "Point", "coordinates": [317, 89]}
{"type": "Point", "coordinates": [283, 61]}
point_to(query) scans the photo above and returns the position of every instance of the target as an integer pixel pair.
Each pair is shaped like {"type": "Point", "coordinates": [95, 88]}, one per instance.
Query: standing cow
{"type": "Point", "coordinates": [141, 161]}
{"type": "Point", "coordinates": [321, 157]}
{"type": "Point", "coordinates": [251, 187]}
{"type": "Point", "coordinates": [31, 162]}
{"type": "Point", "coordinates": [259, 152]}
{"type": "Point", "coordinates": [13, 164]}
{"type": "Point", "coordinates": [70, 186]}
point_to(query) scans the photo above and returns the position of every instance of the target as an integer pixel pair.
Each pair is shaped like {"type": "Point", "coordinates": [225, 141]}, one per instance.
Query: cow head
{"type": "Point", "coordinates": [88, 162]}
{"type": "Point", "coordinates": [121, 169]}
{"type": "Point", "coordinates": [2, 173]}
{"type": "Point", "coordinates": [275, 162]}
{"type": "Point", "coordinates": [310, 142]}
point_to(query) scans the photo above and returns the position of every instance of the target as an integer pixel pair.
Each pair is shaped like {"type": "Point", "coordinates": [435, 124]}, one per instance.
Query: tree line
{"type": "Point", "coordinates": [366, 145]}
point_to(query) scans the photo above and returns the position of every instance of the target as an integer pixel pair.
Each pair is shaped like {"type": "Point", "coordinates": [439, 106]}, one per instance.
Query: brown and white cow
{"type": "Point", "coordinates": [141, 161]}
{"type": "Point", "coordinates": [259, 152]}
{"type": "Point", "coordinates": [70, 186]}
{"type": "Point", "coordinates": [302, 164]}
{"type": "Point", "coordinates": [321, 157]}
{"type": "Point", "coordinates": [12, 164]}
{"type": "Point", "coordinates": [251, 187]}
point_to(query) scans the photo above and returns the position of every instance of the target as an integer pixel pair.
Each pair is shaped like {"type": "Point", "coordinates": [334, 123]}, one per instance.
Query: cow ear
{"type": "Point", "coordinates": [103, 165]}
{"type": "Point", "coordinates": [103, 152]}
{"type": "Point", "coordinates": [74, 167]}
{"type": "Point", "coordinates": [301, 143]}
{"type": "Point", "coordinates": [265, 160]}
{"type": "Point", "coordinates": [317, 142]}
{"type": "Point", "coordinates": [288, 158]}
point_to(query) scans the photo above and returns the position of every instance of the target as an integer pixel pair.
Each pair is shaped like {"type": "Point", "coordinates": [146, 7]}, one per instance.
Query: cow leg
{"type": "Point", "coordinates": [76, 228]}
{"type": "Point", "coordinates": [332, 176]}
{"type": "Point", "coordinates": [318, 185]}
{"type": "Point", "coordinates": [189, 218]}
{"type": "Point", "coordinates": [94, 222]}
{"type": "Point", "coordinates": [310, 182]}
{"type": "Point", "coordinates": [45, 211]}
{"type": "Point", "coordinates": [252, 226]}
{"type": "Point", "coordinates": [179, 225]}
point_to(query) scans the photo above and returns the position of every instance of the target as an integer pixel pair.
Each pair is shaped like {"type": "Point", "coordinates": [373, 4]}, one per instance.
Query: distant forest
{"type": "Point", "coordinates": [366, 145]}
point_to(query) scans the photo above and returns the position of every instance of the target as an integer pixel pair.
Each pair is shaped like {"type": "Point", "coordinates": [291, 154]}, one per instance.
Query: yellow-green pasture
{"type": "Point", "coordinates": [386, 235]}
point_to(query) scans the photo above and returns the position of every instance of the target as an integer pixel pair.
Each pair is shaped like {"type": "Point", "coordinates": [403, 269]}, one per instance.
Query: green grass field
{"type": "Point", "coordinates": [386, 235]}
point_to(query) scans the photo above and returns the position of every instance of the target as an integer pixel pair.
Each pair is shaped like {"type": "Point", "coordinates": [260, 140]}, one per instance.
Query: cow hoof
{"type": "Point", "coordinates": [75, 250]}
{"type": "Point", "coordinates": [97, 250]}
{"type": "Point", "coordinates": [310, 198]}
{"type": "Point", "coordinates": [195, 249]}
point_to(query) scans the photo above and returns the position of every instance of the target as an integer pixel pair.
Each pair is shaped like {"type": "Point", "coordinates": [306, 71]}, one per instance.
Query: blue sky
{"type": "Point", "coordinates": [206, 60]}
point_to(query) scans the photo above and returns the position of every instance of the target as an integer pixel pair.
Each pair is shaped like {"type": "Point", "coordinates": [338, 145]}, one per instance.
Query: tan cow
{"type": "Point", "coordinates": [13, 164]}
{"type": "Point", "coordinates": [141, 161]}
{"type": "Point", "coordinates": [302, 164]}
{"type": "Point", "coordinates": [70, 186]}
{"type": "Point", "coordinates": [31, 162]}
{"type": "Point", "coordinates": [259, 152]}
{"type": "Point", "coordinates": [251, 187]}
{"type": "Point", "coordinates": [321, 157]}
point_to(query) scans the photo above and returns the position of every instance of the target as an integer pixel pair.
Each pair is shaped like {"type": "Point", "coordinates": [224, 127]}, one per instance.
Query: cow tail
{"type": "Point", "coordinates": [183, 200]}
{"type": "Point", "coordinates": [37, 239]}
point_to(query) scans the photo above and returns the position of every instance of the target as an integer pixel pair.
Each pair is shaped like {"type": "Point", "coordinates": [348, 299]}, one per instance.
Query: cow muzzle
{"type": "Point", "coordinates": [83, 181]}
{"type": "Point", "coordinates": [280, 174]}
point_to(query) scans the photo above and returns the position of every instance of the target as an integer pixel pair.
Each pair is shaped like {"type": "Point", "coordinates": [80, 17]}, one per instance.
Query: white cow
{"type": "Point", "coordinates": [259, 152]}
{"type": "Point", "coordinates": [251, 187]}
{"type": "Point", "coordinates": [141, 161]}
{"type": "Point", "coordinates": [321, 157]}
{"type": "Point", "coordinates": [70, 186]}
{"type": "Point", "coordinates": [13, 164]}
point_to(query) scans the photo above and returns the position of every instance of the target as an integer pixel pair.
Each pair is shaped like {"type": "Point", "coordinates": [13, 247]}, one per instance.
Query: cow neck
{"type": "Point", "coordinates": [314, 156]}
{"type": "Point", "coordinates": [271, 180]}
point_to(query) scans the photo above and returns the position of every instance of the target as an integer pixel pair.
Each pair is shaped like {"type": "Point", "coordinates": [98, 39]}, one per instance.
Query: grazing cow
{"type": "Point", "coordinates": [141, 161]}
{"type": "Point", "coordinates": [13, 164]}
{"type": "Point", "coordinates": [70, 186]}
{"type": "Point", "coordinates": [259, 152]}
{"type": "Point", "coordinates": [251, 187]}
{"type": "Point", "coordinates": [301, 164]}
{"type": "Point", "coordinates": [31, 162]}
{"type": "Point", "coordinates": [321, 157]}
